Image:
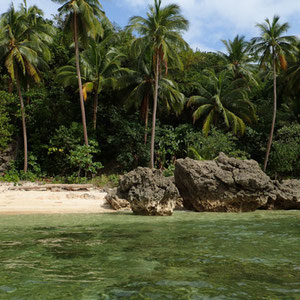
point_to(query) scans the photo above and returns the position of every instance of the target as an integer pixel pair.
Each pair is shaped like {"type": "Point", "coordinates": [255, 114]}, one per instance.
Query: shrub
{"type": "Point", "coordinates": [285, 154]}
{"type": "Point", "coordinates": [82, 158]}
{"type": "Point", "coordinates": [6, 128]}
{"type": "Point", "coordinates": [201, 147]}
{"type": "Point", "coordinates": [123, 139]}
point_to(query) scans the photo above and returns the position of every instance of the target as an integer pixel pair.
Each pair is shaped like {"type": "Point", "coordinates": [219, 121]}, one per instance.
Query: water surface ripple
{"type": "Point", "coordinates": [122, 256]}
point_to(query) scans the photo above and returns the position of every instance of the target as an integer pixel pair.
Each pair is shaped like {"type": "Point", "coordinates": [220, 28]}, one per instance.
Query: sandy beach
{"type": "Point", "coordinates": [14, 200]}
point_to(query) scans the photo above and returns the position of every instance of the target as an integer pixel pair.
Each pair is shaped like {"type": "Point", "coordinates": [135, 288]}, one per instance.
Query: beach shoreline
{"type": "Point", "coordinates": [14, 200]}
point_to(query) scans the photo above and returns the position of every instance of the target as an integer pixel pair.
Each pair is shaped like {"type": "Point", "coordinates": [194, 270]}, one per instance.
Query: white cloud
{"type": "Point", "coordinates": [201, 47]}
{"type": "Point", "coordinates": [223, 19]}
{"type": "Point", "coordinates": [210, 20]}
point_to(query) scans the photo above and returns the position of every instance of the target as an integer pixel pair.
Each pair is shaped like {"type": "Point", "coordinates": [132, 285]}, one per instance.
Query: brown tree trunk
{"type": "Point", "coordinates": [274, 114]}
{"type": "Point", "coordinates": [27, 90]}
{"type": "Point", "coordinates": [23, 124]}
{"type": "Point", "coordinates": [146, 121]}
{"type": "Point", "coordinates": [154, 112]}
{"type": "Point", "coordinates": [95, 110]}
{"type": "Point", "coordinates": [79, 81]}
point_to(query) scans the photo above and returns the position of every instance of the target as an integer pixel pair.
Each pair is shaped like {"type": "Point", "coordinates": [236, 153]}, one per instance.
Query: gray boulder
{"type": "Point", "coordinates": [223, 185]}
{"type": "Point", "coordinates": [149, 192]}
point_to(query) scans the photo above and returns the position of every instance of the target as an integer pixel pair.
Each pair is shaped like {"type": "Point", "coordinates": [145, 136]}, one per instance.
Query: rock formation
{"type": "Point", "coordinates": [148, 192]}
{"type": "Point", "coordinates": [232, 185]}
{"type": "Point", "coordinates": [115, 199]}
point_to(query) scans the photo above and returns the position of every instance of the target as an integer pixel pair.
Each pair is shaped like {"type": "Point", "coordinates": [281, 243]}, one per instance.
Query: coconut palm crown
{"type": "Point", "coordinates": [222, 97]}
{"type": "Point", "coordinates": [238, 58]}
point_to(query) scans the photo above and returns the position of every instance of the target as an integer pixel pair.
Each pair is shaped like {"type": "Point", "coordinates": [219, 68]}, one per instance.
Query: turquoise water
{"type": "Point", "coordinates": [122, 256]}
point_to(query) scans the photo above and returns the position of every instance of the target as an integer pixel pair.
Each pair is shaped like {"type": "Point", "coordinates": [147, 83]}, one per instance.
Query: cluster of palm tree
{"type": "Point", "coordinates": [230, 98]}
{"type": "Point", "coordinates": [222, 98]}
{"type": "Point", "coordinates": [24, 41]}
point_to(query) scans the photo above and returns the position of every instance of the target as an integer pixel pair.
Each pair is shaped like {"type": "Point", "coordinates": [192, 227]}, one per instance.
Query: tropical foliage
{"type": "Point", "coordinates": [200, 103]}
{"type": "Point", "coordinates": [23, 39]}
{"type": "Point", "coordinates": [82, 19]}
{"type": "Point", "coordinates": [222, 96]}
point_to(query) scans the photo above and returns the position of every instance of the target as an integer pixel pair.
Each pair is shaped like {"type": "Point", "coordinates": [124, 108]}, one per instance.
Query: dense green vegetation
{"type": "Point", "coordinates": [76, 93]}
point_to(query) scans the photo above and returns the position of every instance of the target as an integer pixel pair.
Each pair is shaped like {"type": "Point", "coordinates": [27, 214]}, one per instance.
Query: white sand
{"type": "Point", "coordinates": [51, 202]}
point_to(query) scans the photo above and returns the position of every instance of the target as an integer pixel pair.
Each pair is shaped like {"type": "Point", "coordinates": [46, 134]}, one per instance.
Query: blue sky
{"type": "Point", "coordinates": [210, 20]}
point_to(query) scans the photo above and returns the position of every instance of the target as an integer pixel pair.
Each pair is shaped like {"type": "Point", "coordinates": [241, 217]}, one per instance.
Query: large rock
{"type": "Point", "coordinates": [116, 200]}
{"type": "Point", "coordinates": [148, 192]}
{"type": "Point", "coordinates": [223, 185]}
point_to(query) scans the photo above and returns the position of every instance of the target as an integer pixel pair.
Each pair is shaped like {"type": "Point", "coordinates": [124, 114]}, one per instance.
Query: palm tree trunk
{"type": "Point", "coordinates": [95, 110]}
{"type": "Point", "coordinates": [79, 82]}
{"type": "Point", "coordinates": [23, 124]}
{"type": "Point", "coordinates": [28, 88]}
{"type": "Point", "coordinates": [154, 112]}
{"type": "Point", "coordinates": [146, 120]}
{"type": "Point", "coordinates": [274, 114]}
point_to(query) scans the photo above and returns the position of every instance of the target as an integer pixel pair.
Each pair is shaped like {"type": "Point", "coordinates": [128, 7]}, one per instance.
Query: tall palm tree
{"type": "Point", "coordinates": [222, 96]}
{"type": "Point", "coordinates": [141, 82]}
{"type": "Point", "coordinates": [20, 53]}
{"type": "Point", "coordinates": [238, 59]}
{"type": "Point", "coordinates": [272, 48]}
{"type": "Point", "coordinates": [82, 19]}
{"type": "Point", "coordinates": [160, 33]}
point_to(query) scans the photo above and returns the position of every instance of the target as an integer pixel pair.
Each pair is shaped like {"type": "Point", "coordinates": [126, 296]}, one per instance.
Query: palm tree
{"type": "Point", "coordinates": [100, 66]}
{"type": "Point", "coordinates": [39, 31]}
{"type": "Point", "coordinates": [238, 59]}
{"type": "Point", "coordinates": [82, 19]}
{"type": "Point", "coordinates": [160, 33]}
{"type": "Point", "coordinates": [222, 96]}
{"type": "Point", "coordinates": [20, 53]}
{"type": "Point", "coordinates": [141, 82]}
{"type": "Point", "coordinates": [272, 48]}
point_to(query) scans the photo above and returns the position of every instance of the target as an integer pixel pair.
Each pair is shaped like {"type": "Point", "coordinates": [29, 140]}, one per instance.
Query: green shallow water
{"type": "Point", "coordinates": [122, 256]}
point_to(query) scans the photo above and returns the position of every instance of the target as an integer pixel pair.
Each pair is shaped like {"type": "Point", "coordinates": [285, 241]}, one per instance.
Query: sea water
{"type": "Point", "coordinates": [123, 256]}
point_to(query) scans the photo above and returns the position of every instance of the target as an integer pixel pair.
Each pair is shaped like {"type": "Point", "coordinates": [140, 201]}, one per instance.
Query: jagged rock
{"type": "Point", "coordinates": [225, 184]}
{"type": "Point", "coordinates": [115, 199]}
{"type": "Point", "coordinates": [287, 195]}
{"type": "Point", "coordinates": [149, 192]}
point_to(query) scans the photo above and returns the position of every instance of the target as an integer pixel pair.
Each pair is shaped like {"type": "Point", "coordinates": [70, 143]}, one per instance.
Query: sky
{"type": "Point", "coordinates": [210, 20]}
